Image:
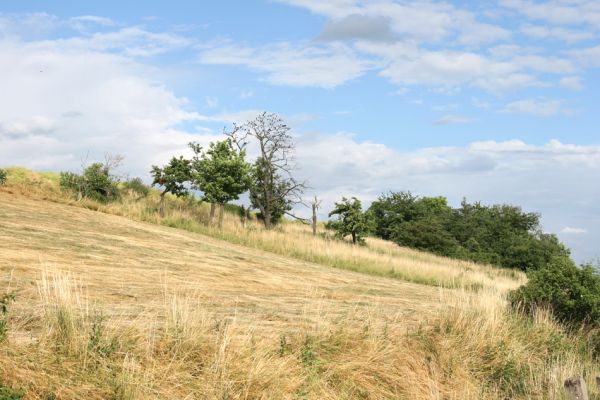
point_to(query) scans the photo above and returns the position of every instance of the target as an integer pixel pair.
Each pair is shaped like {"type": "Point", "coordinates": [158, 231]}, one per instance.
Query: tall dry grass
{"type": "Point", "coordinates": [289, 239]}
{"type": "Point", "coordinates": [474, 349]}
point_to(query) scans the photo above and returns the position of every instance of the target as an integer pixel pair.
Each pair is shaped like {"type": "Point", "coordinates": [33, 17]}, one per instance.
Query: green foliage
{"type": "Point", "coordinates": [99, 184]}
{"type": "Point", "coordinates": [96, 183]}
{"type": "Point", "coordinates": [571, 292]}
{"type": "Point", "coordinates": [137, 186]}
{"type": "Point", "coordinates": [9, 393]}
{"type": "Point", "coordinates": [5, 301]}
{"type": "Point", "coordinates": [269, 192]}
{"type": "Point", "coordinates": [3, 177]}
{"type": "Point", "coordinates": [221, 172]}
{"type": "Point", "coordinates": [503, 235]}
{"type": "Point", "coordinates": [173, 176]}
{"type": "Point", "coordinates": [351, 220]}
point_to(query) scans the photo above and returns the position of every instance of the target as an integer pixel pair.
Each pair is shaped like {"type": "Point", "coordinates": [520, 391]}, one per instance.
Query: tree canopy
{"type": "Point", "coordinates": [221, 172]}
{"type": "Point", "coordinates": [351, 220]}
{"type": "Point", "coordinates": [503, 235]}
{"type": "Point", "coordinates": [172, 178]}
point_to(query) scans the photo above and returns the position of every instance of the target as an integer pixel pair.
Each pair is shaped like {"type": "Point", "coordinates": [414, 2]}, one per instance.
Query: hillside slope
{"type": "Point", "coordinates": [110, 308]}
{"type": "Point", "coordinates": [120, 261]}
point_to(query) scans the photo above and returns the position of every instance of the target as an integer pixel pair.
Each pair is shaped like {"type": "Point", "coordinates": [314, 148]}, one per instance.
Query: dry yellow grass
{"type": "Point", "coordinates": [109, 307]}
{"type": "Point", "coordinates": [290, 239]}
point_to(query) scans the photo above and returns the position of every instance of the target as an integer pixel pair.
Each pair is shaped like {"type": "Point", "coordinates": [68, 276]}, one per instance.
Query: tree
{"type": "Point", "coordinates": [351, 220]}
{"type": "Point", "coordinates": [502, 235]}
{"type": "Point", "coordinates": [273, 189]}
{"type": "Point", "coordinates": [172, 177]}
{"type": "Point", "coordinates": [221, 173]}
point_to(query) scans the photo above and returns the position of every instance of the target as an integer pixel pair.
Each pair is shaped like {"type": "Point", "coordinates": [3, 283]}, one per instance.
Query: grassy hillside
{"type": "Point", "coordinates": [120, 308]}
{"type": "Point", "coordinates": [295, 240]}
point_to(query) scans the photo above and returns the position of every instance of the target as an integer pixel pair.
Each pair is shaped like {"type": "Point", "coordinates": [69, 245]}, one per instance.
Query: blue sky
{"type": "Point", "coordinates": [493, 100]}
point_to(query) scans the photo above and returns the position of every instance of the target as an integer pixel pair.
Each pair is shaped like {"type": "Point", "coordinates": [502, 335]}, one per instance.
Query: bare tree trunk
{"type": "Point", "coordinates": [314, 219]}
{"type": "Point", "coordinates": [211, 216]}
{"type": "Point", "coordinates": [161, 208]}
{"type": "Point", "coordinates": [316, 204]}
{"type": "Point", "coordinates": [353, 237]}
{"type": "Point", "coordinates": [221, 214]}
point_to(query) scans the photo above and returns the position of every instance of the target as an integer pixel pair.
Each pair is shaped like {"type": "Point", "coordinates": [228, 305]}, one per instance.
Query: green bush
{"type": "Point", "coordinates": [137, 186]}
{"type": "Point", "coordinates": [96, 183]}
{"type": "Point", "coordinates": [9, 393]}
{"type": "Point", "coordinates": [572, 293]}
{"type": "Point", "coordinates": [3, 177]}
{"type": "Point", "coordinates": [502, 235]}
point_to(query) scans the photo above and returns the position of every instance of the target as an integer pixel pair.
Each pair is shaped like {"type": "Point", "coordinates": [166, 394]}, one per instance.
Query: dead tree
{"type": "Point", "coordinates": [273, 191]}
{"type": "Point", "coordinates": [315, 205]}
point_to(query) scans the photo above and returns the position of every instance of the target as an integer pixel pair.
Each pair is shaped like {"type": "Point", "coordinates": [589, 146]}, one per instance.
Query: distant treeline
{"type": "Point", "coordinates": [502, 235]}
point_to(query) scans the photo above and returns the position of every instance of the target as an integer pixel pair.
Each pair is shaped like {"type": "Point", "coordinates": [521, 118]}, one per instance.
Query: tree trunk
{"type": "Point", "coordinates": [267, 220]}
{"type": "Point", "coordinates": [161, 207]}
{"type": "Point", "coordinates": [211, 216]}
{"type": "Point", "coordinates": [221, 214]}
{"type": "Point", "coordinates": [314, 219]}
{"type": "Point", "coordinates": [353, 237]}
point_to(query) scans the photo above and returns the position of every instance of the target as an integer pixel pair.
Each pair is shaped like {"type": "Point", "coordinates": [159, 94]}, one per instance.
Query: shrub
{"type": "Point", "coordinates": [572, 293]}
{"type": "Point", "coordinates": [137, 186]}
{"type": "Point", "coordinates": [3, 177]}
{"type": "Point", "coordinates": [96, 183]}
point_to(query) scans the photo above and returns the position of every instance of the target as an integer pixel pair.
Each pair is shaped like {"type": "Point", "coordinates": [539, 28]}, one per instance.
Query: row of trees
{"type": "Point", "coordinates": [502, 235]}
{"type": "Point", "coordinates": [222, 173]}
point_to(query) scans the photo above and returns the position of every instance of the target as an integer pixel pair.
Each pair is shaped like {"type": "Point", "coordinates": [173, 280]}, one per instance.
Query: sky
{"type": "Point", "coordinates": [495, 101]}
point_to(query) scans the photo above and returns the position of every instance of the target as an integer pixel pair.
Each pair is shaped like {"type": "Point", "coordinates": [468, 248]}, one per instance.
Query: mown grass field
{"type": "Point", "coordinates": [112, 306]}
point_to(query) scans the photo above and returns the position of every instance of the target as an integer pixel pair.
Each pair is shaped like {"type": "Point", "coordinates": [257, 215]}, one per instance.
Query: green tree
{"type": "Point", "coordinates": [502, 235]}
{"type": "Point", "coordinates": [3, 177]}
{"type": "Point", "coordinates": [172, 178]}
{"type": "Point", "coordinates": [221, 173]}
{"type": "Point", "coordinates": [351, 220]}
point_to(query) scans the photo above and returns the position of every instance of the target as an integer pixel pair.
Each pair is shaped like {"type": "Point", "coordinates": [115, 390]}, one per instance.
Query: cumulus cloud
{"type": "Point", "coordinates": [61, 102]}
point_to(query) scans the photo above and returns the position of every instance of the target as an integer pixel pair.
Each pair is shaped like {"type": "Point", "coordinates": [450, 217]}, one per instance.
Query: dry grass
{"type": "Point", "coordinates": [290, 239]}
{"type": "Point", "coordinates": [112, 308]}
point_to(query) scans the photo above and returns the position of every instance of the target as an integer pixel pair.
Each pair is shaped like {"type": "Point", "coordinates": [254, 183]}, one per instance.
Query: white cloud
{"type": "Point", "coordinates": [326, 66]}
{"type": "Point", "coordinates": [558, 11]}
{"type": "Point", "coordinates": [85, 100]}
{"type": "Point", "coordinates": [556, 33]}
{"type": "Point", "coordinates": [540, 107]}
{"type": "Point", "coordinates": [571, 82]}
{"type": "Point", "coordinates": [84, 22]}
{"type": "Point", "coordinates": [573, 231]}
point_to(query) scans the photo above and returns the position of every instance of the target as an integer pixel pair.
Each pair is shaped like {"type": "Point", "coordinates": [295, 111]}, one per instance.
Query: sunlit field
{"type": "Point", "coordinates": [123, 304]}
